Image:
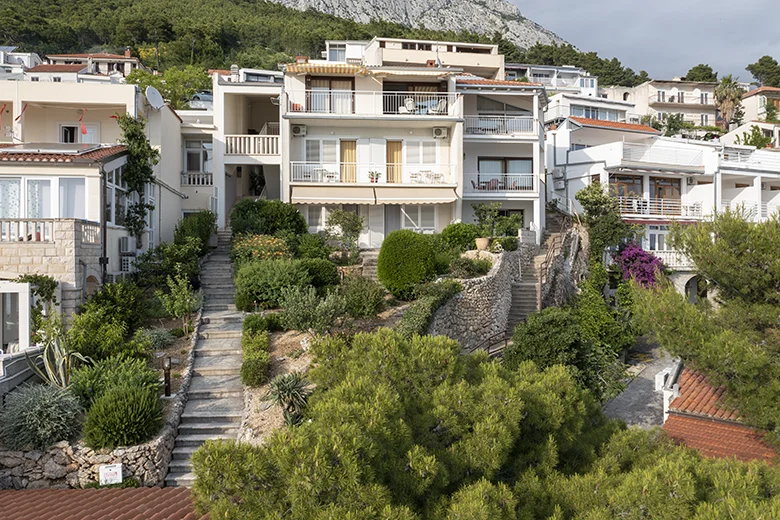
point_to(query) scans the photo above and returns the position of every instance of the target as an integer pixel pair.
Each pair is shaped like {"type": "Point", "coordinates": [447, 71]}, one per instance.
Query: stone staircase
{"type": "Point", "coordinates": [369, 258]}
{"type": "Point", "coordinates": [215, 398]}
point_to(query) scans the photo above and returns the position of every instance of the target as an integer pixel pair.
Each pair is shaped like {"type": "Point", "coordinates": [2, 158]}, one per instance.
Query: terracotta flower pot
{"type": "Point", "coordinates": [482, 243]}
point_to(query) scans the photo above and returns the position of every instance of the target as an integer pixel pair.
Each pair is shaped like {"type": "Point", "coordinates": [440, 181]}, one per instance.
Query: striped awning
{"type": "Point", "coordinates": [415, 195]}
{"type": "Point", "coordinates": [326, 68]}
{"type": "Point", "coordinates": [342, 194]}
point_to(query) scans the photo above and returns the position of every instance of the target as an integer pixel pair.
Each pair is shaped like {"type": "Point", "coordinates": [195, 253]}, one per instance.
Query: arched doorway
{"type": "Point", "coordinates": [696, 289]}
{"type": "Point", "coordinates": [92, 285]}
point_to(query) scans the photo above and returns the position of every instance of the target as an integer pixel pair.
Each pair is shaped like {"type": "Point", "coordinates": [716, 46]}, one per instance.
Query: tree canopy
{"type": "Point", "coordinates": [728, 97]}
{"type": "Point", "coordinates": [701, 72]}
{"type": "Point", "coordinates": [766, 71]}
{"type": "Point", "coordinates": [177, 84]}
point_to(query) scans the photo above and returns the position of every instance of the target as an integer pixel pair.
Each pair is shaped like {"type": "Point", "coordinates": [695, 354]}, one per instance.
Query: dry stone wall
{"type": "Point", "coordinates": [482, 308]}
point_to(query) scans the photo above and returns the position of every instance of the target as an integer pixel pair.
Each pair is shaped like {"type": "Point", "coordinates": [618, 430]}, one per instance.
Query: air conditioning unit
{"type": "Point", "coordinates": [691, 181]}
{"type": "Point", "coordinates": [559, 185]}
{"type": "Point", "coordinates": [298, 130]}
{"type": "Point", "coordinates": [557, 173]}
{"type": "Point", "coordinates": [440, 132]}
{"type": "Point", "coordinates": [127, 245]}
{"type": "Point", "coordinates": [126, 264]}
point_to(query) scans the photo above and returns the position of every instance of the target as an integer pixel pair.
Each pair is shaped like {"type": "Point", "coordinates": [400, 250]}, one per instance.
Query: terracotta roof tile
{"type": "Point", "coordinates": [104, 55]}
{"type": "Point", "coordinates": [48, 67]}
{"type": "Point", "coordinates": [761, 90]}
{"type": "Point", "coordinates": [698, 397]}
{"type": "Point", "coordinates": [614, 125]}
{"type": "Point", "coordinates": [221, 72]}
{"type": "Point", "coordinates": [718, 439]}
{"type": "Point", "coordinates": [88, 504]}
{"type": "Point", "coordinates": [97, 155]}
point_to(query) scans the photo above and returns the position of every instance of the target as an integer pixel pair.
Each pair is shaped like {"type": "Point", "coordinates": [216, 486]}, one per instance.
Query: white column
{"type": "Point", "coordinates": [538, 209]}
{"type": "Point", "coordinates": [757, 197]}
{"type": "Point", "coordinates": [218, 165]}
{"type": "Point", "coordinates": [718, 191]}
{"type": "Point", "coordinates": [456, 168]}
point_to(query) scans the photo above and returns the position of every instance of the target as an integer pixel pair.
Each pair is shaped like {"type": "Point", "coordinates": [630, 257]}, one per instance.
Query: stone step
{"type": "Point", "coordinates": [183, 452]}
{"type": "Point", "coordinates": [218, 306]}
{"type": "Point", "coordinates": [217, 365]}
{"type": "Point", "coordinates": [219, 334]}
{"type": "Point", "coordinates": [214, 428]}
{"type": "Point", "coordinates": [194, 441]}
{"type": "Point", "coordinates": [220, 298]}
{"type": "Point", "coordinates": [216, 417]}
{"type": "Point", "coordinates": [180, 479]}
{"type": "Point", "coordinates": [180, 466]}
{"type": "Point", "coordinates": [218, 351]}
{"type": "Point", "coordinates": [216, 286]}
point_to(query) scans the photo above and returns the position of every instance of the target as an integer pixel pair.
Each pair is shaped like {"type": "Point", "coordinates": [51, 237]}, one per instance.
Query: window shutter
{"type": "Point", "coordinates": [412, 152]}
{"type": "Point", "coordinates": [429, 152]}
{"type": "Point", "coordinates": [330, 151]}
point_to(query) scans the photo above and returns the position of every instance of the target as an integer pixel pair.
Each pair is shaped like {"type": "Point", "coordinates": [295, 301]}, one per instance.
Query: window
{"type": "Point", "coordinates": [321, 151]}
{"type": "Point", "coordinates": [681, 97]}
{"type": "Point", "coordinates": [626, 186]}
{"type": "Point", "coordinates": [76, 134]}
{"type": "Point", "coordinates": [39, 198]}
{"type": "Point", "coordinates": [660, 116]}
{"type": "Point", "coordinates": [657, 238]}
{"type": "Point", "coordinates": [488, 106]}
{"type": "Point", "coordinates": [330, 95]}
{"type": "Point", "coordinates": [317, 216]}
{"type": "Point", "coordinates": [420, 218]}
{"type": "Point", "coordinates": [337, 52]}
{"type": "Point", "coordinates": [510, 75]}
{"type": "Point", "coordinates": [35, 78]}
{"type": "Point", "coordinates": [56, 79]}
{"type": "Point", "coordinates": [661, 188]}
{"type": "Point", "coordinates": [705, 98]}
{"type": "Point", "coordinates": [116, 198]}
{"type": "Point", "coordinates": [73, 198]}
{"type": "Point", "coordinates": [198, 156]}
{"type": "Point", "coordinates": [574, 147]}
{"type": "Point", "coordinates": [705, 120]}
{"type": "Point", "coordinates": [661, 96]}
{"type": "Point", "coordinates": [10, 198]}
{"type": "Point", "coordinates": [420, 152]}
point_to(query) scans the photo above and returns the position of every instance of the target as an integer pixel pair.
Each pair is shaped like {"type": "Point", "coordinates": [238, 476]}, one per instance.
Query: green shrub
{"type": "Point", "coordinates": [405, 260]}
{"type": "Point", "coordinates": [258, 247]}
{"type": "Point", "coordinates": [508, 243]}
{"type": "Point", "coordinates": [470, 267]}
{"type": "Point", "coordinates": [157, 338]}
{"type": "Point", "coordinates": [312, 246]}
{"type": "Point", "coordinates": [92, 381]}
{"type": "Point", "coordinates": [37, 416]}
{"type": "Point", "coordinates": [363, 297]}
{"type": "Point", "coordinates": [177, 333]}
{"type": "Point", "coordinates": [96, 334]}
{"type": "Point", "coordinates": [200, 225]}
{"type": "Point", "coordinates": [157, 264]}
{"type": "Point", "coordinates": [430, 297]}
{"type": "Point", "coordinates": [123, 416]}
{"type": "Point", "coordinates": [461, 235]}
{"type": "Point", "coordinates": [251, 344]}
{"type": "Point", "coordinates": [256, 369]}
{"type": "Point", "coordinates": [322, 272]}
{"type": "Point", "coordinates": [266, 217]}
{"type": "Point", "coordinates": [443, 253]}
{"type": "Point", "coordinates": [270, 322]}
{"type": "Point", "coordinates": [304, 310]}
{"type": "Point", "coordinates": [260, 283]}
{"type": "Point", "coordinates": [121, 301]}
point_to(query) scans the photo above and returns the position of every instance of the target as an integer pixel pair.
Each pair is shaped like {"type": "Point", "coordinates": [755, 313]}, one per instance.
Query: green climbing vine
{"type": "Point", "coordinates": [141, 158]}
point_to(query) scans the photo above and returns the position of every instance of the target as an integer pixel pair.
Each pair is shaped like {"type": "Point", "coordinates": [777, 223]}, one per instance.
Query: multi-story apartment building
{"type": "Point", "coordinates": [754, 102]}
{"type": "Point", "coordinates": [565, 79]}
{"type": "Point", "coordinates": [695, 100]}
{"type": "Point", "coordinates": [408, 134]}
{"type": "Point", "coordinates": [564, 105]}
{"type": "Point", "coordinates": [99, 62]}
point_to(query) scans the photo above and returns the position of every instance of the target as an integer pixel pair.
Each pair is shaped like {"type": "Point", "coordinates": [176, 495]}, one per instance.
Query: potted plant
{"type": "Point", "coordinates": [374, 176]}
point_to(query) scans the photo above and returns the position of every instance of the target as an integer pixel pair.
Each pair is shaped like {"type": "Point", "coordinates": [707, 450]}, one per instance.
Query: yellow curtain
{"type": "Point", "coordinates": [394, 167]}
{"type": "Point", "coordinates": [348, 161]}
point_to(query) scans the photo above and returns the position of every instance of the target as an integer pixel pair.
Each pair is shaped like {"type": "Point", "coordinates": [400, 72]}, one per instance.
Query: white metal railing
{"type": "Point", "coordinates": [197, 179]}
{"type": "Point", "coordinates": [498, 182]}
{"type": "Point", "coordinates": [659, 207]}
{"type": "Point", "coordinates": [372, 103]}
{"type": "Point", "coordinates": [556, 82]}
{"type": "Point", "coordinates": [251, 145]}
{"type": "Point", "coordinates": [90, 232]}
{"type": "Point", "coordinates": [562, 112]}
{"type": "Point", "coordinates": [498, 125]}
{"type": "Point", "coordinates": [663, 155]}
{"type": "Point", "coordinates": [371, 173]}
{"type": "Point", "coordinates": [673, 259]}
{"type": "Point", "coordinates": [682, 98]}
{"type": "Point", "coordinates": [756, 160]}
{"type": "Point", "coordinates": [27, 230]}
{"type": "Point", "coordinates": [753, 209]}
{"type": "Point", "coordinates": [270, 128]}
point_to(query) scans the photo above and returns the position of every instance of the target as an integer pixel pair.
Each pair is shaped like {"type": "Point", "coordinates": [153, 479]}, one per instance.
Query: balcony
{"type": "Point", "coordinates": [682, 98]}
{"type": "Point", "coordinates": [365, 173]}
{"type": "Point", "coordinates": [673, 259]}
{"type": "Point", "coordinates": [603, 114]}
{"type": "Point", "coordinates": [751, 160]}
{"type": "Point", "coordinates": [252, 145]}
{"type": "Point", "coordinates": [753, 210]}
{"type": "Point", "coordinates": [659, 207]}
{"type": "Point", "coordinates": [492, 183]}
{"type": "Point", "coordinates": [663, 155]}
{"type": "Point", "coordinates": [197, 179]}
{"type": "Point", "coordinates": [372, 103]}
{"type": "Point", "coordinates": [489, 126]}
{"type": "Point", "coordinates": [48, 231]}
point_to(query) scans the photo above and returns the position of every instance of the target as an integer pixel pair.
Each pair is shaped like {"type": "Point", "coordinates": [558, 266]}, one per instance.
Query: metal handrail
{"type": "Point", "coordinates": [486, 344]}
{"type": "Point", "coordinates": [552, 251]}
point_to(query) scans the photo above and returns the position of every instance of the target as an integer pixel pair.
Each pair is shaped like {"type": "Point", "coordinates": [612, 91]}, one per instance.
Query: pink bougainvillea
{"type": "Point", "coordinates": [639, 264]}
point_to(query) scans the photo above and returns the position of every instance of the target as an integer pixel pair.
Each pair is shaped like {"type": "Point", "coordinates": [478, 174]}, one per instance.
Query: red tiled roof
{"type": "Point", "coordinates": [90, 55]}
{"type": "Point", "coordinates": [718, 439]}
{"type": "Point", "coordinates": [760, 90]}
{"type": "Point", "coordinates": [614, 125]}
{"type": "Point", "coordinates": [98, 155]}
{"type": "Point", "coordinates": [86, 504]}
{"type": "Point", "coordinates": [698, 397]}
{"type": "Point", "coordinates": [221, 72]}
{"type": "Point", "coordinates": [48, 67]}
{"type": "Point", "coordinates": [501, 82]}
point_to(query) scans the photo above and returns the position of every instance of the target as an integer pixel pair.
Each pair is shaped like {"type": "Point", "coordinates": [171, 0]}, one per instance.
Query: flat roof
{"type": "Point", "coordinates": [435, 42]}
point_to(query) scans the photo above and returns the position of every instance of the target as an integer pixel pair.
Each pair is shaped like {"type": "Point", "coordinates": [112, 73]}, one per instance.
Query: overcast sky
{"type": "Point", "coordinates": [665, 38]}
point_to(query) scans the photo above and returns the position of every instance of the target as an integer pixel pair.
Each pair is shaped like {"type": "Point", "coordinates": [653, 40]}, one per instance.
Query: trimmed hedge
{"type": "Point", "coordinates": [508, 243]}
{"type": "Point", "coordinates": [322, 272]}
{"type": "Point", "coordinates": [123, 416]}
{"type": "Point", "coordinates": [461, 235]}
{"type": "Point", "coordinates": [405, 260]}
{"type": "Point", "coordinates": [256, 323]}
{"type": "Point", "coordinates": [256, 366]}
{"type": "Point", "coordinates": [260, 283]}
{"type": "Point", "coordinates": [266, 217]}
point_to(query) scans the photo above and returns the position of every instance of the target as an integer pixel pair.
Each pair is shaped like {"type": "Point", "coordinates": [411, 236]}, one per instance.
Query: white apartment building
{"type": "Point", "coordinates": [564, 79]}
{"type": "Point", "coordinates": [12, 62]}
{"type": "Point", "coordinates": [754, 102]}
{"type": "Point", "coordinates": [99, 62]}
{"type": "Point", "coordinates": [409, 136]}
{"type": "Point", "coordinates": [769, 130]}
{"type": "Point", "coordinates": [695, 100]}
{"type": "Point", "coordinates": [563, 105]}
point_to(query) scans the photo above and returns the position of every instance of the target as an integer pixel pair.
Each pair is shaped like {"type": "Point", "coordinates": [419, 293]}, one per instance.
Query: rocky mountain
{"type": "Point", "coordinates": [481, 16]}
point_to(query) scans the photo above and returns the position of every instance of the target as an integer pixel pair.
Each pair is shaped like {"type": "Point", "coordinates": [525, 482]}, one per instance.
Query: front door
{"type": "Point", "coordinates": [374, 233]}
{"type": "Point", "coordinates": [394, 160]}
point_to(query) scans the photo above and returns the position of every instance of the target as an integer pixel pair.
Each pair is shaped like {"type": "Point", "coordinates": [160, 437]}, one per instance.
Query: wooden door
{"type": "Point", "coordinates": [348, 161]}
{"type": "Point", "coordinates": [394, 161]}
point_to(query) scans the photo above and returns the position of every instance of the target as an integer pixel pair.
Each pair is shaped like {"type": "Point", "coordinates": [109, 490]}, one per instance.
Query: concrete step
{"type": "Point", "coordinates": [219, 334]}
{"type": "Point", "coordinates": [218, 418]}
{"type": "Point", "coordinates": [180, 466]}
{"type": "Point", "coordinates": [180, 479]}
{"type": "Point", "coordinates": [213, 428]}
{"type": "Point", "coordinates": [194, 441]}
{"type": "Point", "coordinates": [222, 317]}
{"type": "Point", "coordinates": [183, 452]}
{"type": "Point", "coordinates": [218, 351]}
{"type": "Point", "coordinates": [217, 365]}
{"type": "Point", "coordinates": [219, 306]}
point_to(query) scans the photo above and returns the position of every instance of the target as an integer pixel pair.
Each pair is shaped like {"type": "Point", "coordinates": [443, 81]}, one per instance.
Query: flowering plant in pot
{"type": "Point", "coordinates": [374, 176]}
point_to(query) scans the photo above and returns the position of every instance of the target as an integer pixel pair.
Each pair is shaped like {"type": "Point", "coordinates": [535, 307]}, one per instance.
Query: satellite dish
{"type": "Point", "coordinates": [155, 98]}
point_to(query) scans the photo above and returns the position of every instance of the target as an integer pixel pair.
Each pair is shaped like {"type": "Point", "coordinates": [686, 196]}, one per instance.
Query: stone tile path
{"type": "Point", "coordinates": [215, 399]}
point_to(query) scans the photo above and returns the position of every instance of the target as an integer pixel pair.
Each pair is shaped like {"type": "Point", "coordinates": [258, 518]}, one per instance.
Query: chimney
{"type": "Point", "coordinates": [128, 54]}
{"type": "Point", "coordinates": [430, 63]}
{"type": "Point", "coordinates": [234, 73]}
{"type": "Point", "coordinates": [301, 59]}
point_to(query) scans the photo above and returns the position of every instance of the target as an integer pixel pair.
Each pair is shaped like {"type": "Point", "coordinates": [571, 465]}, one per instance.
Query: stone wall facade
{"type": "Point", "coordinates": [567, 269]}
{"type": "Point", "coordinates": [482, 308]}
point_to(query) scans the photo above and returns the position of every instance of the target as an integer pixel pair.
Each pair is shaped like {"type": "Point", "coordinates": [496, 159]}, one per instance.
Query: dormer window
{"type": "Point", "coordinates": [337, 52]}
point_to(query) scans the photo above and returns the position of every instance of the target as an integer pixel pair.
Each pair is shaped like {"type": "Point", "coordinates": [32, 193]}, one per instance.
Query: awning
{"type": "Point", "coordinates": [415, 195]}
{"type": "Point", "coordinates": [326, 68]}
{"type": "Point", "coordinates": [330, 194]}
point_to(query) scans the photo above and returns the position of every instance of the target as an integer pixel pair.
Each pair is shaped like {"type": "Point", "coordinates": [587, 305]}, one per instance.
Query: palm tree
{"type": "Point", "coordinates": [728, 96]}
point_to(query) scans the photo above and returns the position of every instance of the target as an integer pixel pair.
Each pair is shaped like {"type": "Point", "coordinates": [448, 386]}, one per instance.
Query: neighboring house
{"type": "Point", "coordinates": [697, 415]}
{"type": "Point", "coordinates": [695, 100]}
{"type": "Point", "coordinates": [408, 135]}
{"type": "Point", "coordinates": [99, 62]}
{"type": "Point", "coordinates": [769, 130]}
{"type": "Point", "coordinates": [564, 105]}
{"type": "Point", "coordinates": [565, 79]}
{"type": "Point", "coordinates": [78, 73]}
{"type": "Point", "coordinates": [754, 102]}
{"type": "Point", "coordinates": [12, 62]}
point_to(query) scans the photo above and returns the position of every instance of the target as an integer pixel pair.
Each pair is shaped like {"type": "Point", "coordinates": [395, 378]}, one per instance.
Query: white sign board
{"type": "Point", "coordinates": [110, 474]}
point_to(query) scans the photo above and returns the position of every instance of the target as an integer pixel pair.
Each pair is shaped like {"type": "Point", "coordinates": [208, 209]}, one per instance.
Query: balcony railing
{"type": "Point", "coordinates": [197, 179]}
{"type": "Point", "coordinates": [251, 145]}
{"type": "Point", "coordinates": [499, 125]}
{"type": "Point", "coordinates": [673, 259]}
{"type": "Point", "coordinates": [659, 207]}
{"type": "Point", "coordinates": [364, 173]}
{"type": "Point", "coordinates": [498, 182]}
{"type": "Point", "coordinates": [562, 112]}
{"type": "Point", "coordinates": [372, 103]}
{"type": "Point", "coordinates": [755, 160]}
{"type": "Point", "coordinates": [682, 98]}
{"type": "Point", "coordinates": [754, 210]}
{"type": "Point", "coordinates": [663, 155]}
{"type": "Point", "coordinates": [27, 230]}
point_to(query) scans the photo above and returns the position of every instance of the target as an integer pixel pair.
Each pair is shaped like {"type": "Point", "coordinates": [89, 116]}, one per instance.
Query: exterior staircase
{"type": "Point", "coordinates": [215, 398]}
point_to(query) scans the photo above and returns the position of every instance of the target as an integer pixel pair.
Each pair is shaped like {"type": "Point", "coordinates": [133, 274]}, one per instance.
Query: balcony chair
{"type": "Point", "coordinates": [439, 109]}
{"type": "Point", "coordinates": [409, 107]}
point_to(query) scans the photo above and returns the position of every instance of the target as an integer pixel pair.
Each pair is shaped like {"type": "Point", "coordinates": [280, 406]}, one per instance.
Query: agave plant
{"type": "Point", "coordinates": [291, 393]}
{"type": "Point", "coordinates": [58, 361]}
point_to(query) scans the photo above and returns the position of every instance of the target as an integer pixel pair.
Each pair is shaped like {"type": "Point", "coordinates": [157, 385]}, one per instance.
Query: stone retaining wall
{"type": "Point", "coordinates": [482, 308]}
{"type": "Point", "coordinates": [567, 269]}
